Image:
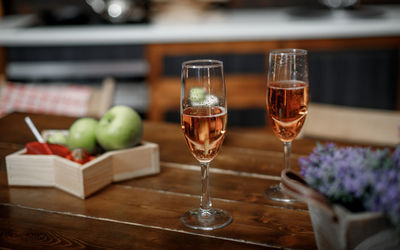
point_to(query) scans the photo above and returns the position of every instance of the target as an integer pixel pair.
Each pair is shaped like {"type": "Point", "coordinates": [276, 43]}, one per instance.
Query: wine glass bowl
{"type": "Point", "coordinates": [203, 121]}
{"type": "Point", "coordinates": [287, 122]}
{"type": "Point", "coordinates": [287, 103]}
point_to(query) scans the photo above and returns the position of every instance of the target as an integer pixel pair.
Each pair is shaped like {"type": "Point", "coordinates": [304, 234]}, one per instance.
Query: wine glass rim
{"type": "Point", "coordinates": [289, 51]}
{"type": "Point", "coordinates": [202, 63]}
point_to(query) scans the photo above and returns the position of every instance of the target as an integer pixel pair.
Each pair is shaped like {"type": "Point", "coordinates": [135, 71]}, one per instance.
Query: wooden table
{"type": "Point", "coordinates": [144, 213]}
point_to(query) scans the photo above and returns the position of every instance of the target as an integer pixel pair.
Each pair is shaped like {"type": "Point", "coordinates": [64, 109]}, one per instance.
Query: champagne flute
{"type": "Point", "coordinates": [287, 103]}
{"type": "Point", "coordinates": [203, 121]}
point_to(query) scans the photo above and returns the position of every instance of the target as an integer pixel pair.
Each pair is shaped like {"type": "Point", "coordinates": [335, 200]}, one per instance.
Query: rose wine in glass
{"type": "Point", "coordinates": [287, 108]}
{"type": "Point", "coordinates": [204, 130]}
{"type": "Point", "coordinates": [287, 103]}
{"type": "Point", "coordinates": [203, 122]}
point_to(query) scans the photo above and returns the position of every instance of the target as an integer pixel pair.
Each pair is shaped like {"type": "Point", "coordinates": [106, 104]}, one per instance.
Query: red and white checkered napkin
{"type": "Point", "coordinates": [48, 99]}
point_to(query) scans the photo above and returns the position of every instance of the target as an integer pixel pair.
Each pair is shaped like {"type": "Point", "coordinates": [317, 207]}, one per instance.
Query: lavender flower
{"type": "Point", "coordinates": [361, 179]}
{"type": "Point", "coordinates": [385, 195]}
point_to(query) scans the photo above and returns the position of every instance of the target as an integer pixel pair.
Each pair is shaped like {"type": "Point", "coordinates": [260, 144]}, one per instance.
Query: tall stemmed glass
{"type": "Point", "coordinates": [203, 121]}
{"type": "Point", "coordinates": [287, 103]}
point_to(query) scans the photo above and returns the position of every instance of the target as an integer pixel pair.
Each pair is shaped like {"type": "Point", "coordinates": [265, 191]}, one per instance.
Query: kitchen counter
{"type": "Point", "coordinates": [243, 25]}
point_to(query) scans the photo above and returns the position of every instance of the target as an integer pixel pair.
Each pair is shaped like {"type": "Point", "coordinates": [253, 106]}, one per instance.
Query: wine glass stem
{"type": "Point", "coordinates": [205, 200]}
{"type": "Point", "coordinates": [287, 147]}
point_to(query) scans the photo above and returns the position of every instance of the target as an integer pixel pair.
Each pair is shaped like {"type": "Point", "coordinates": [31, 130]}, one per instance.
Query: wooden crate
{"type": "Point", "coordinates": [82, 180]}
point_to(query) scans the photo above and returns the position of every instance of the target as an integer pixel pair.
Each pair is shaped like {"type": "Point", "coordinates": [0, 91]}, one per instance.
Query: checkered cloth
{"type": "Point", "coordinates": [47, 99]}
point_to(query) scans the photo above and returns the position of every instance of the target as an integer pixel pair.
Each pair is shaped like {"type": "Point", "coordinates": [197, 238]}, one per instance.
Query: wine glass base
{"type": "Point", "coordinates": [211, 219]}
{"type": "Point", "coordinates": [275, 193]}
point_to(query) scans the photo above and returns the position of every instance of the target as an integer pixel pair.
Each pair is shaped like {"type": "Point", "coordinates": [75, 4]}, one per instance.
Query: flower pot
{"type": "Point", "coordinates": [335, 227]}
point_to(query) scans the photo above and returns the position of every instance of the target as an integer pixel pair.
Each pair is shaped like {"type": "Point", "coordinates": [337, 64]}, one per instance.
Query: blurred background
{"type": "Point", "coordinates": [354, 50]}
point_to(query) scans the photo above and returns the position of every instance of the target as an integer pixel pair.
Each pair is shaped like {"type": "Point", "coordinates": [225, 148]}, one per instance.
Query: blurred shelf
{"type": "Point", "coordinates": [76, 69]}
{"type": "Point", "coordinates": [234, 25]}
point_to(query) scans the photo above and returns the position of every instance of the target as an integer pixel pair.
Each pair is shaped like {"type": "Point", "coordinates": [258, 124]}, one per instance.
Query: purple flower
{"type": "Point", "coordinates": [357, 178]}
{"type": "Point", "coordinates": [396, 157]}
{"type": "Point", "coordinates": [385, 195]}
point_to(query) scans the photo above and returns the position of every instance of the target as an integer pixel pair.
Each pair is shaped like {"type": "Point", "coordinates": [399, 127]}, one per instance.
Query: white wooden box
{"type": "Point", "coordinates": [82, 180]}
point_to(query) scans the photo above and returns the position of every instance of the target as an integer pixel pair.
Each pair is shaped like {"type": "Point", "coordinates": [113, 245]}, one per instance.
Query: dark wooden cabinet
{"type": "Point", "coordinates": [361, 72]}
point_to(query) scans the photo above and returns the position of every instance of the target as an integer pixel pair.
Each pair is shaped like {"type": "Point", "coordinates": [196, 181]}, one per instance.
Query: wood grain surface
{"type": "Point", "coordinates": [143, 213]}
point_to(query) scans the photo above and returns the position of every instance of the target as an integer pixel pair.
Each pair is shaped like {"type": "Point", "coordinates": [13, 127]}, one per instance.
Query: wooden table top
{"type": "Point", "coordinates": [144, 213]}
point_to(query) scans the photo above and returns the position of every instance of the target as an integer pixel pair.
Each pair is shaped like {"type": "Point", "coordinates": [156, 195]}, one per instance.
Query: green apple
{"type": "Point", "coordinates": [121, 127]}
{"type": "Point", "coordinates": [57, 138]}
{"type": "Point", "coordinates": [82, 134]}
